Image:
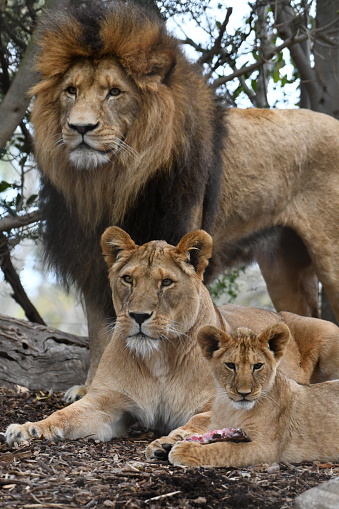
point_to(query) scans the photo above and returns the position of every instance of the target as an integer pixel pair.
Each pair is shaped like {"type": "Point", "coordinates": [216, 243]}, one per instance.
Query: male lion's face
{"type": "Point", "coordinates": [98, 105]}
{"type": "Point", "coordinates": [156, 301]}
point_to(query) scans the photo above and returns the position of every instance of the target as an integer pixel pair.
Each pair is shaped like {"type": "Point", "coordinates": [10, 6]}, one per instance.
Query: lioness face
{"type": "Point", "coordinates": [155, 287]}
{"type": "Point", "coordinates": [244, 364]}
{"type": "Point", "coordinates": [98, 105]}
{"type": "Point", "coordinates": [154, 298]}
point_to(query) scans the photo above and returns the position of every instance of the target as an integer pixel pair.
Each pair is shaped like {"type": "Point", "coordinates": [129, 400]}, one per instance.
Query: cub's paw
{"type": "Point", "coordinates": [187, 454]}
{"type": "Point", "coordinates": [74, 393]}
{"type": "Point", "coordinates": [159, 449]}
{"type": "Point", "coordinates": [21, 433]}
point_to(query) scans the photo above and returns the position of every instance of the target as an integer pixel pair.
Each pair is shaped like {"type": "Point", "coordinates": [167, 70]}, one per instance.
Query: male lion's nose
{"type": "Point", "coordinates": [83, 128]}
{"type": "Point", "coordinates": [140, 317]}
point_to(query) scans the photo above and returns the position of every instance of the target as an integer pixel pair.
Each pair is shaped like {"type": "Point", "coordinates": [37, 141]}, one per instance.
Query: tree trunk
{"type": "Point", "coordinates": [326, 57]}
{"type": "Point", "coordinates": [40, 358]}
{"type": "Point", "coordinates": [326, 64]}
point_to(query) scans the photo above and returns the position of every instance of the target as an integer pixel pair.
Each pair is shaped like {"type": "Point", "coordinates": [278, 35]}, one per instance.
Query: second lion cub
{"type": "Point", "coordinates": [284, 420]}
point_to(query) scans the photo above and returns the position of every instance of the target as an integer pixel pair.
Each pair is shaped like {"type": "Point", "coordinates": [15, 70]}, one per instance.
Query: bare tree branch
{"type": "Point", "coordinates": [16, 101]}
{"type": "Point", "coordinates": [250, 68]}
{"type": "Point", "coordinates": [11, 276]}
{"type": "Point", "coordinates": [208, 57]}
{"type": "Point", "coordinates": [9, 222]}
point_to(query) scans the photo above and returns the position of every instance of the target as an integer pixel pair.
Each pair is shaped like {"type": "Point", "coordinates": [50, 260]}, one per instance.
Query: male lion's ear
{"type": "Point", "coordinates": [210, 339]}
{"type": "Point", "coordinates": [196, 247]}
{"type": "Point", "coordinates": [114, 240]}
{"type": "Point", "coordinates": [277, 338]}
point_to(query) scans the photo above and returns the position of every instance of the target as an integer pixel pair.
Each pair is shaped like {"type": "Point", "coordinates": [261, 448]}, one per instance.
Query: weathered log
{"type": "Point", "coordinates": [40, 358]}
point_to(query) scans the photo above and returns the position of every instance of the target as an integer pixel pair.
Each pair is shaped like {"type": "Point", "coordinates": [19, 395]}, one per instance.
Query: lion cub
{"type": "Point", "coordinates": [284, 420]}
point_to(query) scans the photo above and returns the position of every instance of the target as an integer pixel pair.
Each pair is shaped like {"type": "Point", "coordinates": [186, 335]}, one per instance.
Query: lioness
{"type": "Point", "coordinates": [127, 132]}
{"type": "Point", "coordinates": [153, 370]}
{"type": "Point", "coordinates": [284, 420]}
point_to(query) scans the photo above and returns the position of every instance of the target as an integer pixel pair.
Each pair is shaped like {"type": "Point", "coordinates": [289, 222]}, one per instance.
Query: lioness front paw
{"type": "Point", "coordinates": [159, 449]}
{"type": "Point", "coordinates": [74, 393]}
{"type": "Point", "coordinates": [20, 433]}
{"type": "Point", "coordinates": [187, 454]}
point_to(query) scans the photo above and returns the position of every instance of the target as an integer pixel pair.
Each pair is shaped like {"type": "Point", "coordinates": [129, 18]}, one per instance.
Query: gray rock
{"type": "Point", "coordinates": [323, 496]}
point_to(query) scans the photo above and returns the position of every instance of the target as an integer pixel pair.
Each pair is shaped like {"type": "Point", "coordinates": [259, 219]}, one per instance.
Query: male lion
{"type": "Point", "coordinates": [127, 132]}
{"type": "Point", "coordinates": [153, 371]}
{"type": "Point", "coordinates": [284, 420]}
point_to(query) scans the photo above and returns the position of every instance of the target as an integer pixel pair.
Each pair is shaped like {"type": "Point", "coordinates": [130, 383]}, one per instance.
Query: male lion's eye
{"type": "Point", "coordinates": [128, 279]}
{"type": "Point", "coordinates": [166, 282]}
{"type": "Point", "coordinates": [114, 91]}
{"type": "Point", "coordinates": [71, 90]}
{"type": "Point", "coordinates": [230, 365]}
{"type": "Point", "coordinates": [257, 366]}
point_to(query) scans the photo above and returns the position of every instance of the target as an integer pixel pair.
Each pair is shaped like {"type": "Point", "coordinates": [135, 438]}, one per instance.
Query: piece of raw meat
{"type": "Point", "coordinates": [220, 435]}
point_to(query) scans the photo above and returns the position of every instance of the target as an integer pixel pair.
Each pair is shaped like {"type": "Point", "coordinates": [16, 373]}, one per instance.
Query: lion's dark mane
{"type": "Point", "coordinates": [164, 206]}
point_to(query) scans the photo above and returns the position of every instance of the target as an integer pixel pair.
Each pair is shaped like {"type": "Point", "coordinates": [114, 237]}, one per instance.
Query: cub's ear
{"type": "Point", "coordinates": [196, 248]}
{"type": "Point", "coordinates": [113, 241]}
{"type": "Point", "coordinates": [211, 339]}
{"type": "Point", "coordinates": [277, 338]}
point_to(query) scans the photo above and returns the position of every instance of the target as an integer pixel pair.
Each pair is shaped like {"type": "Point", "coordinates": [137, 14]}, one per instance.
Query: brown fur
{"type": "Point", "coordinates": [286, 421]}
{"type": "Point", "coordinates": [160, 163]}
{"type": "Point", "coordinates": [153, 370]}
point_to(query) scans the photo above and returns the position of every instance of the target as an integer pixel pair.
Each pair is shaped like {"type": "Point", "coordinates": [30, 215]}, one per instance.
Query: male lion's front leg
{"type": "Point", "coordinates": [159, 449]}
{"type": "Point", "coordinates": [221, 454]}
{"type": "Point", "coordinates": [99, 417]}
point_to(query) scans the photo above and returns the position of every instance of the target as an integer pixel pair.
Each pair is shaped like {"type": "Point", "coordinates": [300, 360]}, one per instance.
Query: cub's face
{"type": "Point", "coordinates": [244, 372]}
{"type": "Point", "coordinates": [155, 287]}
{"type": "Point", "coordinates": [98, 104]}
{"type": "Point", "coordinates": [244, 364]}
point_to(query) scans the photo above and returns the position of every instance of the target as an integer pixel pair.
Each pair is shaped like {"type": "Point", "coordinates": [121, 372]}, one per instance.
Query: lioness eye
{"type": "Point", "coordinates": [114, 92]}
{"type": "Point", "coordinates": [230, 365]}
{"type": "Point", "coordinates": [71, 90]}
{"type": "Point", "coordinates": [257, 366]}
{"type": "Point", "coordinates": [128, 279]}
{"type": "Point", "coordinates": [166, 282]}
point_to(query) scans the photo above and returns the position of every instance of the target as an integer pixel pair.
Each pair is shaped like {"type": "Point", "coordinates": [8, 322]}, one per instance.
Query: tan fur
{"type": "Point", "coordinates": [286, 421]}
{"type": "Point", "coordinates": [153, 370]}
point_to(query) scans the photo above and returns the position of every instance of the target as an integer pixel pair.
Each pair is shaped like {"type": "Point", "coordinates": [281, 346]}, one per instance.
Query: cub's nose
{"type": "Point", "coordinates": [140, 317]}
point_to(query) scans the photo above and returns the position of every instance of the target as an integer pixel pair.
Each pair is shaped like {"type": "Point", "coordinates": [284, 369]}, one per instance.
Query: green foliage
{"type": "Point", "coordinates": [226, 284]}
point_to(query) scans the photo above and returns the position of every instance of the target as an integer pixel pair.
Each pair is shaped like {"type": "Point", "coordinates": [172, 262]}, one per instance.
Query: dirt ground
{"type": "Point", "coordinates": [84, 473]}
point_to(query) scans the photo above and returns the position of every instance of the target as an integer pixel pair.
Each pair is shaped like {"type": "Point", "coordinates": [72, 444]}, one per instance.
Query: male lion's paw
{"type": "Point", "coordinates": [74, 393]}
{"type": "Point", "coordinates": [187, 454]}
{"type": "Point", "coordinates": [20, 433]}
{"type": "Point", "coordinates": [159, 449]}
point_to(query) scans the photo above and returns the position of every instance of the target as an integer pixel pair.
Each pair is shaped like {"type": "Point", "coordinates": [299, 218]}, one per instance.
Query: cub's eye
{"type": "Point", "coordinates": [128, 279]}
{"type": "Point", "coordinates": [114, 91]}
{"type": "Point", "coordinates": [230, 365]}
{"type": "Point", "coordinates": [71, 90]}
{"type": "Point", "coordinates": [167, 282]}
{"type": "Point", "coordinates": [257, 366]}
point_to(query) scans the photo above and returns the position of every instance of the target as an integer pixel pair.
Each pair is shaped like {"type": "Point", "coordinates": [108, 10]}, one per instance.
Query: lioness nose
{"type": "Point", "coordinates": [83, 129]}
{"type": "Point", "coordinates": [140, 317]}
{"type": "Point", "coordinates": [244, 393]}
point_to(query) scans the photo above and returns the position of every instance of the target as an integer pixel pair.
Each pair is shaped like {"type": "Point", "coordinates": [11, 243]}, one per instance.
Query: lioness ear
{"type": "Point", "coordinates": [211, 339]}
{"type": "Point", "coordinates": [277, 338]}
{"type": "Point", "coordinates": [114, 240]}
{"type": "Point", "coordinates": [196, 247]}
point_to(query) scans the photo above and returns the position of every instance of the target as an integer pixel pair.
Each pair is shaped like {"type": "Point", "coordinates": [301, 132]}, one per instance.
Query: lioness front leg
{"type": "Point", "coordinates": [159, 449]}
{"type": "Point", "coordinates": [94, 416]}
{"type": "Point", "coordinates": [222, 454]}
